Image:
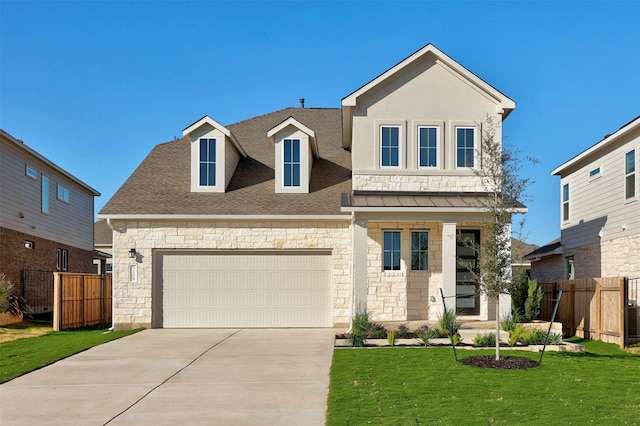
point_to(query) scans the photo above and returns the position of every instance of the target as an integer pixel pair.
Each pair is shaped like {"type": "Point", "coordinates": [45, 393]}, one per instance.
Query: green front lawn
{"type": "Point", "coordinates": [414, 386]}
{"type": "Point", "coordinates": [21, 356]}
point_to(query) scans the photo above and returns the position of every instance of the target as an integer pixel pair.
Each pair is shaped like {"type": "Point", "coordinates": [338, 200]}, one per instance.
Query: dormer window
{"type": "Point", "coordinates": [207, 162]}
{"type": "Point", "coordinates": [291, 162]}
{"type": "Point", "coordinates": [295, 148]}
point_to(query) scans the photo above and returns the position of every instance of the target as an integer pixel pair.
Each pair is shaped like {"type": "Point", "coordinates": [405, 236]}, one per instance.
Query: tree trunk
{"type": "Point", "coordinates": [498, 328]}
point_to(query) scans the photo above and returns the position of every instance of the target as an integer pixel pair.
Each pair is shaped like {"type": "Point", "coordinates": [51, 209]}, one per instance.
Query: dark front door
{"type": "Point", "coordinates": [467, 294]}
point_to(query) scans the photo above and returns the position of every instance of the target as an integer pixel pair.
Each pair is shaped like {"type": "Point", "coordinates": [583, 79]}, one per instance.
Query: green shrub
{"type": "Point", "coordinates": [456, 339]}
{"type": "Point", "coordinates": [376, 331]}
{"type": "Point", "coordinates": [533, 337]}
{"type": "Point", "coordinates": [555, 338]}
{"type": "Point", "coordinates": [448, 323]}
{"type": "Point", "coordinates": [518, 291]}
{"type": "Point", "coordinates": [363, 329]}
{"type": "Point", "coordinates": [10, 301]}
{"type": "Point", "coordinates": [403, 331]}
{"type": "Point", "coordinates": [425, 334]}
{"type": "Point", "coordinates": [488, 340]}
{"type": "Point", "coordinates": [391, 338]}
{"type": "Point", "coordinates": [510, 321]}
{"type": "Point", "coordinates": [514, 335]}
{"type": "Point", "coordinates": [534, 299]}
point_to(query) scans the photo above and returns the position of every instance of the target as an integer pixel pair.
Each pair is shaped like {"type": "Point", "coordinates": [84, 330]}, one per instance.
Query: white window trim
{"type": "Point", "coordinates": [567, 202]}
{"type": "Point", "coordinates": [438, 148]}
{"type": "Point", "coordinates": [300, 163]}
{"type": "Point", "coordinates": [28, 169]}
{"type": "Point", "coordinates": [411, 251]}
{"type": "Point", "coordinates": [215, 162]}
{"type": "Point", "coordinates": [597, 175]}
{"type": "Point", "coordinates": [635, 176]}
{"type": "Point", "coordinates": [475, 146]}
{"type": "Point", "coordinates": [66, 195]}
{"type": "Point", "coordinates": [399, 127]}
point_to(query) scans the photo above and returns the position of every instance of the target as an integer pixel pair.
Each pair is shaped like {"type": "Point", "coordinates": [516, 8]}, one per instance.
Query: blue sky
{"type": "Point", "coordinates": [94, 86]}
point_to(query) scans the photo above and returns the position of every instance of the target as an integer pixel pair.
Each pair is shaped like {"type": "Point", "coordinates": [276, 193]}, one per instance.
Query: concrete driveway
{"type": "Point", "coordinates": [162, 376]}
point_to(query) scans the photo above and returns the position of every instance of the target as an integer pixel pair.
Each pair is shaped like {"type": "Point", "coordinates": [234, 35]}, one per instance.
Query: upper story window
{"type": "Point", "coordinates": [63, 193]}
{"type": "Point", "coordinates": [465, 147]}
{"type": "Point", "coordinates": [419, 250]}
{"type": "Point", "coordinates": [428, 146]}
{"type": "Point", "coordinates": [595, 173]}
{"type": "Point", "coordinates": [29, 172]}
{"type": "Point", "coordinates": [207, 162]}
{"type": "Point", "coordinates": [391, 250]}
{"type": "Point", "coordinates": [45, 194]}
{"type": "Point", "coordinates": [291, 170]}
{"type": "Point", "coordinates": [390, 146]}
{"type": "Point", "coordinates": [565, 202]}
{"type": "Point", "coordinates": [630, 175]}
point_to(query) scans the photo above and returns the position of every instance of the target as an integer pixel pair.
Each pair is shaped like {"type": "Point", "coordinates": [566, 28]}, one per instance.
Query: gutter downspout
{"type": "Point", "coordinates": [353, 277]}
{"type": "Point", "coordinates": [113, 318]}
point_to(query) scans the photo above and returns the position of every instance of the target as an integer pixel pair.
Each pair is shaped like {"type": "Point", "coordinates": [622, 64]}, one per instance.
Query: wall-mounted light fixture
{"type": "Point", "coordinates": [132, 253]}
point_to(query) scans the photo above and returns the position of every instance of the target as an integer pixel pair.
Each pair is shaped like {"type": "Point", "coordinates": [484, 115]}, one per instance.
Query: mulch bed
{"type": "Point", "coordinates": [505, 362]}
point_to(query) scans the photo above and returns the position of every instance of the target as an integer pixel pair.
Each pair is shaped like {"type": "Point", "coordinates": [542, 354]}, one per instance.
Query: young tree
{"type": "Point", "coordinates": [506, 192]}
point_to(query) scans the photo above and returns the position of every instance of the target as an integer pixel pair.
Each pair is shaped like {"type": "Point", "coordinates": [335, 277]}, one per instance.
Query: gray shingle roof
{"type": "Point", "coordinates": [161, 184]}
{"type": "Point", "coordinates": [102, 233]}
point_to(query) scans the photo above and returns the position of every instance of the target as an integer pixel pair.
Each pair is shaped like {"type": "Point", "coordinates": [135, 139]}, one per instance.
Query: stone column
{"type": "Point", "coordinates": [360, 254]}
{"type": "Point", "coordinates": [449, 263]}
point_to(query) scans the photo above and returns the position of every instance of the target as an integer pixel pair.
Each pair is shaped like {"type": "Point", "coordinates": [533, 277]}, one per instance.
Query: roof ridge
{"type": "Point", "coordinates": [279, 111]}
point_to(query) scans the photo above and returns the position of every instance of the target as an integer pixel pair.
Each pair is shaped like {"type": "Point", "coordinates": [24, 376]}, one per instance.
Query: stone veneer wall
{"type": "Point", "coordinates": [132, 302]}
{"type": "Point", "coordinates": [404, 295]}
{"type": "Point", "coordinates": [414, 183]}
{"type": "Point", "coordinates": [621, 257]}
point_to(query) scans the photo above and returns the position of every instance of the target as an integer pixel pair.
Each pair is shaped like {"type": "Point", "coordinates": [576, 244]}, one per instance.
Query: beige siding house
{"type": "Point", "coordinates": [600, 210]}
{"type": "Point", "coordinates": [299, 217]}
{"type": "Point", "coordinates": [46, 214]}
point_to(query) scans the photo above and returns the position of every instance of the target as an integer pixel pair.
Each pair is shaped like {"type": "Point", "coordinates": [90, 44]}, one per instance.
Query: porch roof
{"type": "Point", "coordinates": [374, 201]}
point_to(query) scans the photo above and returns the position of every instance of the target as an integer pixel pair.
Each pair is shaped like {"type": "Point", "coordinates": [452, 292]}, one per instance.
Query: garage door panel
{"type": "Point", "coordinates": [246, 289]}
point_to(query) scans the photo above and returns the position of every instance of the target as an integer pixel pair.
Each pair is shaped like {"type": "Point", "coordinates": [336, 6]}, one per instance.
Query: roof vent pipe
{"type": "Point", "coordinates": [301, 102]}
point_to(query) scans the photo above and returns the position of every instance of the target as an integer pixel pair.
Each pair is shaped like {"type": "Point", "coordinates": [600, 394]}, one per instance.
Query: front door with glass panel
{"type": "Point", "coordinates": [467, 294]}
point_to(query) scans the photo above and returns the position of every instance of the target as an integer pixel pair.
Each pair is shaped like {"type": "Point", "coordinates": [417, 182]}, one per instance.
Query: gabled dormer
{"type": "Point", "coordinates": [215, 153]}
{"type": "Point", "coordinates": [295, 147]}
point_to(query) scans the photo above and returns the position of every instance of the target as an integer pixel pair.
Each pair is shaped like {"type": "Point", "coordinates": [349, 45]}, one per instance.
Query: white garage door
{"type": "Point", "coordinates": [245, 289]}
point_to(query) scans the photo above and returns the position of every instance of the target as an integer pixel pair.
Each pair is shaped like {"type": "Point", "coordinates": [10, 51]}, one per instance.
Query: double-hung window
{"type": "Point", "coordinates": [391, 250]}
{"type": "Point", "coordinates": [630, 175]}
{"type": "Point", "coordinates": [63, 193]}
{"type": "Point", "coordinates": [465, 147]}
{"type": "Point", "coordinates": [62, 260]}
{"type": "Point", "coordinates": [419, 250]}
{"type": "Point", "coordinates": [390, 146]}
{"type": "Point", "coordinates": [291, 162]}
{"type": "Point", "coordinates": [565, 202]}
{"type": "Point", "coordinates": [207, 162]}
{"type": "Point", "coordinates": [428, 146]}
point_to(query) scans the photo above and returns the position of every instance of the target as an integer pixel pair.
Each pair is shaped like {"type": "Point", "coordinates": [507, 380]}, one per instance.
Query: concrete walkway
{"type": "Point", "coordinates": [208, 376]}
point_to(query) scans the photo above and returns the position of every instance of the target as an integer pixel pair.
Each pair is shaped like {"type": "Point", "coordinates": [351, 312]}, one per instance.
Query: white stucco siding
{"type": "Point", "coordinates": [231, 159]}
{"type": "Point", "coordinates": [427, 93]}
{"type": "Point", "coordinates": [68, 223]}
{"type": "Point", "coordinates": [133, 301]}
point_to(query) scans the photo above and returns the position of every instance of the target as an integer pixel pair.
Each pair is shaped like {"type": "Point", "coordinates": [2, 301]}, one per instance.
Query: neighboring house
{"type": "Point", "coordinates": [547, 263]}
{"type": "Point", "coordinates": [599, 210]}
{"type": "Point", "coordinates": [46, 214]}
{"type": "Point", "coordinates": [103, 244]}
{"type": "Point", "coordinates": [299, 217]}
{"type": "Point", "coordinates": [519, 264]}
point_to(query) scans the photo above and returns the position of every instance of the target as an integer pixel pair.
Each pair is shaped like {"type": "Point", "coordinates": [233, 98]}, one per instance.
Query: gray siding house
{"type": "Point", "coordinates": [46, 214]}
{"type": "Point", "coordinates": [599, 212]}
{"type": "Point", "coordinates": [299, 217]}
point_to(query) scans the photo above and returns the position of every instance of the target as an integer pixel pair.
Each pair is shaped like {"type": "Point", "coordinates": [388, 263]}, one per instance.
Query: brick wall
{"type": "Point", "coordinates": [14, 256]}
{"type": "Point", "coordinates": [549, 269]}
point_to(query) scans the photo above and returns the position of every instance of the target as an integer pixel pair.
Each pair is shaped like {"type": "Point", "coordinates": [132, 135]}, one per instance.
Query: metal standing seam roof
{"type": "Point", "coordinates": [400, 200]}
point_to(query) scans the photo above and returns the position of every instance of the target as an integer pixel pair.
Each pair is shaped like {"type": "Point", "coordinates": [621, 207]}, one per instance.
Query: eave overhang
{"type": "Point", "coordinates": [298, 125]}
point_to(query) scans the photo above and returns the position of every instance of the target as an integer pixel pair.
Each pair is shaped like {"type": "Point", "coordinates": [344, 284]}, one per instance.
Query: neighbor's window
{"type": "Point", "coordinates": [565, 202]}
{"type": "Point", "coordinates": [30, 172]}
{"type": "Point", "coordinates": [419, 250]}
{"type": "Point", "coordinates": [207, 162]}
{"type": "Point", "coordinates": [630, 175]}
{"type": "Point", "coordinates": [65, 260]}
{"type": "Point", "coordinates": [291, 157]}
{"type": "Point", "coordinates": [465, 146]}
{"type": "Point", "coordinates": [571, 269]}
{"type": "Point", "coordinates": [390, 146]}
{"type": "Point", "coordinates": [45, 194]}
{"type": "Point", "coordinates": [63, 193]}
{"type": "Point", "coordinates": [428, 146]}
{"type": "Point", "coordinates": [62, 259]}
{"type": "Point", "coordinates": [391, 250]}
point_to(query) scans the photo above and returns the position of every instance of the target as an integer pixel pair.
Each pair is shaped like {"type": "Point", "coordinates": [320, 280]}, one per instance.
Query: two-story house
{"type": "Point", "coordinates": [299, 217]}
{"type": "Point", "coordinates": [599, 211]}
{"type": "Point", "coordinates": [46, 214]}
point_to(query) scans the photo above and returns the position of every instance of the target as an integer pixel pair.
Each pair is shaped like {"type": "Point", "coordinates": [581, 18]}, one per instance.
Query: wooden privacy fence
{"type": "Point", "coordinates": [589, 308]}
{"type": "Point", "coordinates": [81, 300]}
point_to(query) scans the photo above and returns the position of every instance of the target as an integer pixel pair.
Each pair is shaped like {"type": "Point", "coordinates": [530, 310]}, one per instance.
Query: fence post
{"type": "Point", "coordinates": [572, 313]}
{"type": "Point", "coordinates": [624, 312]}
{"type": "Point", "coordinates": [57, 302]}
{"type": "Point", "coordinates": [598, 318]}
